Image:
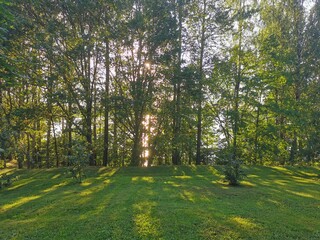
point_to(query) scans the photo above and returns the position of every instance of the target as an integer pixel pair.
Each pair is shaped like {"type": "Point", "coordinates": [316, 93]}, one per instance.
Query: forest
{"type": "Point", "coordinates": [159, 82]}
{"type": "Point", "coordinates": [159, 119]}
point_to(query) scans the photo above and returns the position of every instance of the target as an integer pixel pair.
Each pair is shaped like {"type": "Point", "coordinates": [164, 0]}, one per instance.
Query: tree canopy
{"type": "Point", "coordinates": [145, 82]}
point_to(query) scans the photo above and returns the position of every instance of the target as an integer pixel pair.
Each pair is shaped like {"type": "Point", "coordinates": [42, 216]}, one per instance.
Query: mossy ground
{"type": "Point", "coordinates": [162, 203]}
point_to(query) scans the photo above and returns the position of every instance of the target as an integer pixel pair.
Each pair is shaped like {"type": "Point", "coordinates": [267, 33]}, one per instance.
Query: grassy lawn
{"type": "Point", "coordinates": [162, 203]}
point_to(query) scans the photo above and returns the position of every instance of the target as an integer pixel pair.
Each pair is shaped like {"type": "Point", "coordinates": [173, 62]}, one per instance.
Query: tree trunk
{"type": "Point", "coordinates": [176, 155]}
{"type": "Point", "coordinates": [28, 151]}
{"type": "Point", "coordinates": [106, 106]}
{"type": "Point", "coordinates": [1, 124]}
{"type": "Point", "coordinates": [69, 127]}
{"type": "Point", "coordinates": [48, 142]}
{"type": "Point", "coordinates": [237, 89]}
{"type": "Point", "coordinates": [89, 138]}
{"type": "Point", "coordinates": [298, 18]}
{"type": "Point", "coordinates": [199, 114]}
{"type": "Point", "coordinates": [39, 145]}
{"type": "Point", "coordinates": [136, 148]}
{"type": "Point", "coordinates": [115, 138]}
{"type": "Point", "coordinates": [55, 145]}
{"type": "Point", "coordinates": [176, 151]}
{"type": "Point", "coordinates": [256, 143]}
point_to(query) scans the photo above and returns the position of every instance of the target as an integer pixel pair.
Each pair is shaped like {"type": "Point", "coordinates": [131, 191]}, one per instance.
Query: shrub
{"type": "Point", "coordinates": [77, 172]}
{"type": "Point", "coordinates": [233, 172]}
{"type": "Point", "coordinates": [78, 160]}
{"type": "Point", "coordinates": [6, 180]}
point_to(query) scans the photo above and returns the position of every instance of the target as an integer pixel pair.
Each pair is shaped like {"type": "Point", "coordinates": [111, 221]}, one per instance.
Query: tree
{"type": "Point", "coordinates": [159, 82]}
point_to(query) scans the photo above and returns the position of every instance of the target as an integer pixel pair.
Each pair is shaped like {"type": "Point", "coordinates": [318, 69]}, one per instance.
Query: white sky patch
{"type": "Point", "coordinates": [308, 4]}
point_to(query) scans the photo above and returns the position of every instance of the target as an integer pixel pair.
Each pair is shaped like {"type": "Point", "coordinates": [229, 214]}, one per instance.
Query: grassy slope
{"type": "Point", "coordinates": [162, 203]}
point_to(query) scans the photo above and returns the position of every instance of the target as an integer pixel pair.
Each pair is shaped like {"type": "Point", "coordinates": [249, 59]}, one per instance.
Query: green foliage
{"type": "Point", "coordinates": [78, 160]}
{"type": "Point", "coordinates": [6, 180]}
{"type": "Point", "coordinates": [77, 172]}
{"type": "Point", "coordinates": [233, 172]}
{"type": "Point", "coordinates": [189, 65]}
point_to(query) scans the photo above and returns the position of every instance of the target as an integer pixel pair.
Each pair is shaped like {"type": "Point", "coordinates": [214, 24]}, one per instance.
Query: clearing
{"type": "Point", "coordinates": [162, 203]}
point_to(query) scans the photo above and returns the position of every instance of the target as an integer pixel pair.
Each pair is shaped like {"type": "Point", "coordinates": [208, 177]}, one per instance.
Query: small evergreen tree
{"type": "Point", "coordinates": [78, 160]}
{"type": "Point", "coordinates": [233, 172]}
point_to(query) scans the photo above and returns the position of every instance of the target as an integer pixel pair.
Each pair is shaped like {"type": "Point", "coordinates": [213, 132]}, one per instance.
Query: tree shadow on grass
{"type": "Point", "coordinates": [50, 184]}
{"type": "Point", "coordinates": [264, 208]}
{"type": "Point", "coordinates": [162, 203]}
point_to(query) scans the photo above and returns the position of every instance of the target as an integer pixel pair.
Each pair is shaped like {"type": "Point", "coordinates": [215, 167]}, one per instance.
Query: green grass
{"type": "Point", "coordinates": [162, 203]}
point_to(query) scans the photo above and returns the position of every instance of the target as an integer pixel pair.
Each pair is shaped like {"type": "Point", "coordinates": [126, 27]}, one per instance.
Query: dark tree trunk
{"type": "Point", "coordinates": [106, 106]}
{"type": "Point", "coordinates": [28, 152]}
{"type": "Point", "coordinates": [115, 149]}
{"type": "Point", "coordinates": [236, 92]}
{"type": "Point", "coordinates": [199, 114]}
{"type": "Point", "coordinates": [69, 130]}
{"type": "Point", "coordinates": [256, 142]}
{"type": "Point", "coordinates": [48, 142]}
{"type": "Point", "coordinates": [176, 151]}
{"type": "Point", "coordinates": [55, 145]}
{"type": "Point", "coordinates": [136, 147]}
{"type": "Point", "coordinates": [176, 155]}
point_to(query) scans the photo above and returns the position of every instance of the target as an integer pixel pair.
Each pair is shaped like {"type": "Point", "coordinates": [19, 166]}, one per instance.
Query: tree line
{"type": "Point", "coordinates": [151, 82]}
